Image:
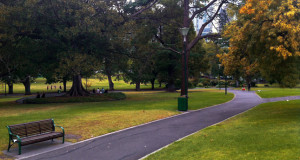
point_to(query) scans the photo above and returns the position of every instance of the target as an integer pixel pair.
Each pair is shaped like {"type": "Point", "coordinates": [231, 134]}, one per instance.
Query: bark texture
{"type": "Point", "coordinates": [111, 83]}
{"type": "Point", "coordinates": [77, 87]}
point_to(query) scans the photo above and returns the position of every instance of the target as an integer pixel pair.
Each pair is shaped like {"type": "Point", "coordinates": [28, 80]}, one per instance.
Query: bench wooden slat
{"type": "Point", "coordinates": [40, 138]}
{"type": "Point", "coordinates": [33, 132]}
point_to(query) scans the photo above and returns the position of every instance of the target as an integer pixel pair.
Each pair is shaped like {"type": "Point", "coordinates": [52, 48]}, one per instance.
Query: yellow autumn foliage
{"type": "Point", "coordinates": [264, 29]}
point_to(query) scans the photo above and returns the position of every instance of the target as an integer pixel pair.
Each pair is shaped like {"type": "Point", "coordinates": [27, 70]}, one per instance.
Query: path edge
{"type": "Point", "coordinates": [195, 133]}
{"type": "Point", "coordinates": [131, 128]}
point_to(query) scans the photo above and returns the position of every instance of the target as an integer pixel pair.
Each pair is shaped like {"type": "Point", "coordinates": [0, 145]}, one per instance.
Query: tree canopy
{"type": "Point", "coordinates": [265, 38]}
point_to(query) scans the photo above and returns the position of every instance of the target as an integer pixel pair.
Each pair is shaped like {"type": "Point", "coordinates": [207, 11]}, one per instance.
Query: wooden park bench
{"type": "Point", "coordinates": [33, 132]}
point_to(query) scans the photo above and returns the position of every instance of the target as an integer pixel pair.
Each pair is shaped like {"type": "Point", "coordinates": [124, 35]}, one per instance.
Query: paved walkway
{"type": "Point", "coordinates": [136, 142]}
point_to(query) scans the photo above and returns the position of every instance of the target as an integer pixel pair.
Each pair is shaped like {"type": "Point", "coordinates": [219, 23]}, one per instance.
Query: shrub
{"type": "Point", "coordinates": [194, 81]}
{"type": "Point", "coordinates": [206, 82]}
{"type": "Point", "coordinates": [200, 85]}
{"type": "Point", "coordinates": [214, 82]}
{"type": "Point", "coordinates": [178, 84]}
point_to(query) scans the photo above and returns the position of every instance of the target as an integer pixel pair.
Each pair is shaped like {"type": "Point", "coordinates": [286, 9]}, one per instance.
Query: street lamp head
{"type": "Point", "coordinates": [184, 31]}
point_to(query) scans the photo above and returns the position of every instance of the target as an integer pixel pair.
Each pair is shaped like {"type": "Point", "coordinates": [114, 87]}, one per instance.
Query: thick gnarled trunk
{"type": "Point", "coordinates": [77, 87]}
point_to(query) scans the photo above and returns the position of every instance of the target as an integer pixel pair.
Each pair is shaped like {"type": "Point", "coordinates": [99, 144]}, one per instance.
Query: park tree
{"type": "Point", "coordinates": [141, 53]}
{"type": "Point", "coordinates": [199, 61]}
{"type": "Point", "coordinates": [73, 30]}
{"type": "Point", "coordinates": [114, 54]}
{"type": "Point", "coordinates": [9, 61]}
{"type": "Point", "coordinates": [78, 64]}
{"type": "Point", "coordinates": [265, 37]}
{"type": "Point", "coordinates": [164, 16]}
{"type": "Point", "coordinates": [189, 10]}
{"type": "Point", "coordinates": [19, 42]}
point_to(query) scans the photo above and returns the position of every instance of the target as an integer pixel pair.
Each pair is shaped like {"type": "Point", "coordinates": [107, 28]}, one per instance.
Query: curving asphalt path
{"type": "Point", "coordinates": [136, 142]}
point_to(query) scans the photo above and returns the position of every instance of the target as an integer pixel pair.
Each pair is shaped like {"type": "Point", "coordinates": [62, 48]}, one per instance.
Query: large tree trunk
{"type": "Point", "coordinates": [11, 88]}
{"type": "Point", "coordinates": [26, 84]}
{"type": "Point", "coordinates": [137, 86]}
{"type": "Point", "coordinates": [65, 84]}
{"type": "Point", "coordinates": [109, 74]}
{"type": "Point", "coordinates": [152, 83]}
{"type": "Point", "coordinates": [77, 87]}
{"type": "Point", "coordinates": [111, 83]}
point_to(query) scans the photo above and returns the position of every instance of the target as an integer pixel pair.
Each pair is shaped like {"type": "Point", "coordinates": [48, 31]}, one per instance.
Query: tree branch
{"type": "Point", "coordinates": [165, 46]}
{"type": "Point", "coordinates": [199, 36]}
{"type": "Point", "coordinates": [201, 10]}
{"type": "Point", "coordinates": [143, 9]}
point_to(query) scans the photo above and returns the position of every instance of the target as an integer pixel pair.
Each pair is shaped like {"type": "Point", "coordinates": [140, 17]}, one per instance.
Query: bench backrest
{"type": "Point", "coordinates": [32, 128]}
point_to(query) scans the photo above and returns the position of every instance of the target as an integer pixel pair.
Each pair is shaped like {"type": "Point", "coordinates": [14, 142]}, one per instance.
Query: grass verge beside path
{"type": "Point", "coordinates": [277, 92]}
{"type": "Point", "coordinates": [266, 92]}
{"type": "Point", "coordinates": [87, 120]}
{"type": "Point", "coordinates": [269, 131]}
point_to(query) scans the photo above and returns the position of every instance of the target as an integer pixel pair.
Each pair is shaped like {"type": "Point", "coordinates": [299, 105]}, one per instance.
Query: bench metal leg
{"type": "Point", "coordinates": [8, 145]}
{"type": "Point", "coordinates": [19, 148]}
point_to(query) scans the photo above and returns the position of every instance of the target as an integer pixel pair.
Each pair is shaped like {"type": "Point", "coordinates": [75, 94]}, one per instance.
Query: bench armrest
{"type": "Point", "coordinates": [11, 134]}
{"type": "Point", "coordinates": [62, 128]}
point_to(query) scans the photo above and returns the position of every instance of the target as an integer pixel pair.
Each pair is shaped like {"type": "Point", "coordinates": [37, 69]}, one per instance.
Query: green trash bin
{"type": "Point", "coordinates": [182, 103]}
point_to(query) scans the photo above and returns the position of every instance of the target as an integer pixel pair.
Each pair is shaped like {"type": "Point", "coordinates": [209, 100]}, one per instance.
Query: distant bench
{"type": "Point", "coordinates": [33, 132]}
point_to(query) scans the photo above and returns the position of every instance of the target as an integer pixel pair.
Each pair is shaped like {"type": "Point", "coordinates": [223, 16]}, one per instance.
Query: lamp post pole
{"type": "Point", "coordinates": [219, 76]}
{"type": "Point", "coordinates": [225, 85]}
{"type": "Point", "coordinates": [183, 102]}
{"type": "Point", "coordinates": [185, 70]}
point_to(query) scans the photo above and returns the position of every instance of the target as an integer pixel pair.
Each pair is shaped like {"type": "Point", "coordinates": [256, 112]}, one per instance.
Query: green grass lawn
{"type": "Point", "coordinates": [92, 119]}
{"type": "Point", "coordinates": [270, 92]}
{"type": "Point", "coordinates": [276, 92]}
{"type": "Point", "coordinates": [39, 85]}
{"type": "Point", "coordinates": [268, 132]}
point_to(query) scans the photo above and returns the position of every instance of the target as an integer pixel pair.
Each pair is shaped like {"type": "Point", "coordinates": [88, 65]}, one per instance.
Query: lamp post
{"type": "Point", "coordinates": [184, 31]}
{"type": "Point", "coordinates": [225, 85]}
{"type": "Point", "coordinates": [219, 75]}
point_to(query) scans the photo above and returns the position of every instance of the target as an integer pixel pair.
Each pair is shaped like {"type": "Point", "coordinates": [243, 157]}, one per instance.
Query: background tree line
{"type": "Point", "coordinates": [64, 40]}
